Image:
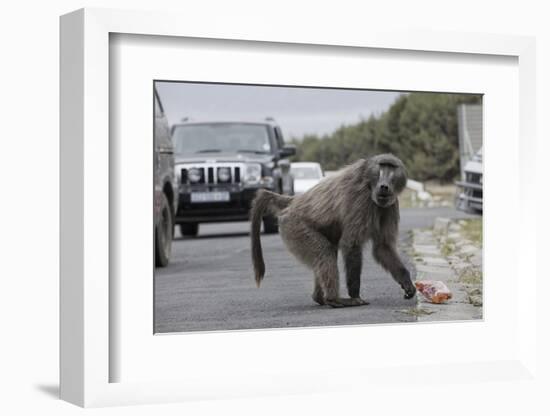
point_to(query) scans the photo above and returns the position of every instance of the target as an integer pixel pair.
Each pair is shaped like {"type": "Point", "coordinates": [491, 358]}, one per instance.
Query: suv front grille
{"type": "Point", "coordinates": [473, 178]}
{"type": "Point", "coordinates": [211, 174]}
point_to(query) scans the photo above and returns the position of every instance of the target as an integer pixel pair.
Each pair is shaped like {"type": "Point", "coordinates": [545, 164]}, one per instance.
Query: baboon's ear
{"type": "Point", "coordinates": [370, 164]}
{"type": "Point", "coordinates": [367, 170]}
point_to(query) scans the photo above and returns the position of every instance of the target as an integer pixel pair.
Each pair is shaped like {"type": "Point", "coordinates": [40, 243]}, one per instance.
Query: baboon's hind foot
{"type": "Point", "coordinates": [345, 302]}
{"type": "Point", "coordinates": [358, 302]}
{"type": "Point", "coordinates": [318, 298]}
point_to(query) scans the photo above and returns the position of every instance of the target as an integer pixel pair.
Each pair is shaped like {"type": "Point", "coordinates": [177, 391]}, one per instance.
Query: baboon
{"type": "Point", "coordinates": [342, 212]}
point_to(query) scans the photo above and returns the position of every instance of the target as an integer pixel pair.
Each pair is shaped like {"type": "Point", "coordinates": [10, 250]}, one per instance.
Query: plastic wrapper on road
{"type": "Point", "coordinates": [434, 290]}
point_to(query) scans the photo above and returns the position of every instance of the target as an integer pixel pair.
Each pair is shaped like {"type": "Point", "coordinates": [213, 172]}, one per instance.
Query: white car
{"type": "Point", "coordinates": [306, 175]}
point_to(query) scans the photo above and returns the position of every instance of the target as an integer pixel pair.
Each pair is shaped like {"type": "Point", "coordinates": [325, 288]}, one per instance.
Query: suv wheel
{"type": "Point", "coordinates": [189, 229]}
{"type": "Point", "coordinates": [270, 225]}
{"type": "Point", "coordinates": [163, 234]}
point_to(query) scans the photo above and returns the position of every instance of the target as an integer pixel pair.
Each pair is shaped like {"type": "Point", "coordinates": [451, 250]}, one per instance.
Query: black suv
{"type": "Point", "coordinates": [221, 165]}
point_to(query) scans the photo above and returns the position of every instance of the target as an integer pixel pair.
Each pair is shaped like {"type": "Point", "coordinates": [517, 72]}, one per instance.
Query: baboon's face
{"type": "Point", "coordinates": [387, 178]}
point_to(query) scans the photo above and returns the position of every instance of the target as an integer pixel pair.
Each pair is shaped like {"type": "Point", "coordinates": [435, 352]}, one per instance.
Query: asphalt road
{"type": "Point", "coordinates": [209, 283]}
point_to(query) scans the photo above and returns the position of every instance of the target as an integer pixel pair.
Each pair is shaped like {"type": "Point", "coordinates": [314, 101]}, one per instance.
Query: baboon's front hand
{"type": "Point", "coordinates": [409, 292]}
{"type": "Point", "coordinates": [407, 285]}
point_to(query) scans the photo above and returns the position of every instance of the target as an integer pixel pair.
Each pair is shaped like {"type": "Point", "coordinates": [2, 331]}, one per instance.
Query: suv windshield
{"type": "Point", "coordinates": [221, 137]}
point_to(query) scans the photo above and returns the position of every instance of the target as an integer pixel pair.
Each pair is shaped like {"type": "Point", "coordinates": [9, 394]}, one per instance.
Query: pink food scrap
{"type": "Point", "coordinates": [433, 290]}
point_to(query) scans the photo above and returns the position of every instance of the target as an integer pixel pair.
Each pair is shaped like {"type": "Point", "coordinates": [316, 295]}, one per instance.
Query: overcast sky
{"type": "Point", "coordinates": [297, 110]}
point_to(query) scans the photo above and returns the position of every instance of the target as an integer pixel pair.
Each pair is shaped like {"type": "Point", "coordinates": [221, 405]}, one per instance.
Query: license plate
{"type": "Point", "coordinates": [198, 197]}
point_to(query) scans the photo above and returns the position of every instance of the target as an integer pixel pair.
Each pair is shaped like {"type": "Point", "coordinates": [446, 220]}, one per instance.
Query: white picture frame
{"type": "Point", "coordinates": [87, 356]}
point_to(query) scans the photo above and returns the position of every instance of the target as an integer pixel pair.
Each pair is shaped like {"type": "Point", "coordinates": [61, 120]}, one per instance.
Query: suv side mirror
{"type": "Point", "coordinates": [288, 150]}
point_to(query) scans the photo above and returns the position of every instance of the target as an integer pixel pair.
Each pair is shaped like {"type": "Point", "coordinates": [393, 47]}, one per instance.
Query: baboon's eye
{"type": "Point", "coordinates": [386, 172]}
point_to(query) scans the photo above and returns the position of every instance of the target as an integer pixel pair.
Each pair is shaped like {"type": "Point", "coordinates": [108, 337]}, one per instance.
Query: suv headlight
{"type": "Point", "coordinates": [195, 175]}
{"type": "Point", "coordinates": [252, 173]}
{"type": "Point", "coordinates": [224, 174]}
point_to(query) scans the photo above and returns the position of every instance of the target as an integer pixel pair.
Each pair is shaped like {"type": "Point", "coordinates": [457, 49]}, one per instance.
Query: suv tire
{"type": "Point", "coordinates": [189, 229]}
{"type": "Point", "coordinates": [164, 232]}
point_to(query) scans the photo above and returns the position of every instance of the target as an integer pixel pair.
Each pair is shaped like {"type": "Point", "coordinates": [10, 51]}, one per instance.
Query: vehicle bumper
{"type": "Point", "coordinates": [470, 196]}
{"type": "Point", "coordinates": [236, 209]}
{"type": "Point", "coordinates": [465, 202]}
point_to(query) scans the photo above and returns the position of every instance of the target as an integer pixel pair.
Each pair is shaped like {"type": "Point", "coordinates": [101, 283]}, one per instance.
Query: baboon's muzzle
{"type": "Point", "coordinates": [385, 200]}
{"type": "Point", "coordinates": [384, 195]}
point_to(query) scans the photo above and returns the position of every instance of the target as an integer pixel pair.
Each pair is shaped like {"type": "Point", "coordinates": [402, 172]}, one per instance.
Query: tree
{"type": "Point", "coordinates": [419, 128]}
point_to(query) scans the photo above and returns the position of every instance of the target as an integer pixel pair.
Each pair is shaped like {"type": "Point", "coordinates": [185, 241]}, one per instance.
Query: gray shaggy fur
{"type": "Point", "coordinates": [341, 213]}
{"type": "Point", "coordinates": [264, 203]}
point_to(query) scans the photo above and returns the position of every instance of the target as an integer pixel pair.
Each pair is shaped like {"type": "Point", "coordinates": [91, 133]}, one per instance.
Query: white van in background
{"type": "Point", "coordinates": [469, 196]}
{"type": "Point", "coordinates": [306, 175]}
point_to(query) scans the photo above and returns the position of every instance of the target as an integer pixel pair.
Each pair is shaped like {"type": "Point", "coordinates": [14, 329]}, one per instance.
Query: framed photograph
{"type": "Point", "coordinates": [259, 214]}
{"type": "Point", "coordinates": [303, 165]}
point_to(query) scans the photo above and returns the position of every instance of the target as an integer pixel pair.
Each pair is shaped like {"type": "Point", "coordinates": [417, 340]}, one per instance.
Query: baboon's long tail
{"type": "Point", "coordinates": [264, 203]}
